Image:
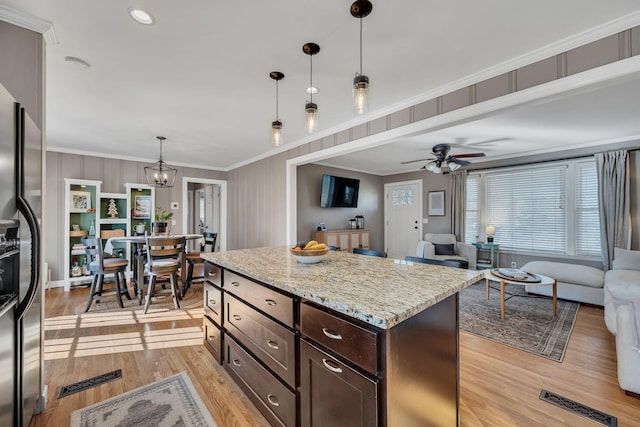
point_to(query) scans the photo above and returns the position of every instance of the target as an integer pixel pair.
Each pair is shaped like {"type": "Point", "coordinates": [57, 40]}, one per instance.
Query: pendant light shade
{"type": "Point", "coordinates": [160, 174]}
{"type": "Point", "coordinates": [310, 108]}
{"type": "Point", "coordinates": [276, 126]}
{"type": "Point", "coordinates": [360, 9]}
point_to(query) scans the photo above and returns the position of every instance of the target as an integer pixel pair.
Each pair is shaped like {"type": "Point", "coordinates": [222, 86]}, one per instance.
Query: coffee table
{"type": "Point", "coordinates": [544, 281]}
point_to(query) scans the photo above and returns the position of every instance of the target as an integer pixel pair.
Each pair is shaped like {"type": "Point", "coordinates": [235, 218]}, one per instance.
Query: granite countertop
{"type": "Point", "coordinates": [379, 291]}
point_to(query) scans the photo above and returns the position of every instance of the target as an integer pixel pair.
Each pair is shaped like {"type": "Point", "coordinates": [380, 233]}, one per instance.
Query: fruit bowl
{"type": "Point", "coordinates": [309, 256]}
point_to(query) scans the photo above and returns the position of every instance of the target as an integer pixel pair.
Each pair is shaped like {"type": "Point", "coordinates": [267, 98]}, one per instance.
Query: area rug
{"type": "Point", "coordinates": [172, 401]}
{"type": "Point", "coordinates": [529, 323]}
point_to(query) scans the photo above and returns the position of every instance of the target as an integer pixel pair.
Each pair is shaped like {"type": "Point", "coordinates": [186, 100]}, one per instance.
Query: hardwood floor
{"type": "Point", "coordinates": [500, 386]}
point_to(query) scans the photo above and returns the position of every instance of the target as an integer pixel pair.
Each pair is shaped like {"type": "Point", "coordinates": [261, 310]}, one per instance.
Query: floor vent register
{"type": "Point", "coordinates": [88, 383]}
{"type": "Point", "coordinates": [579, 408]}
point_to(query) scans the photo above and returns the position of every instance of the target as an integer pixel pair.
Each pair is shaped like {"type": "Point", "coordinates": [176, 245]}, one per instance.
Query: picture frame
{"type": "Point", "coordinates": [80, 201]}
{"type": "Point", "coordinates": [142, 207]}
{"type": "Point", "coordinates": [323, 226]}
{"type": "Point", "coordinates": [436, 203]}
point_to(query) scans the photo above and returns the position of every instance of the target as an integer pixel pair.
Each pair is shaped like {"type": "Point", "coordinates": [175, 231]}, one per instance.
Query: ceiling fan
{"type": "Point", "coordinates": [442, 156]}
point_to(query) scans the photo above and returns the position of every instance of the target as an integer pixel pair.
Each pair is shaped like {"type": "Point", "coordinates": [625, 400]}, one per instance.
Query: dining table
{"type": "Point", "coordinates": [138, 256]}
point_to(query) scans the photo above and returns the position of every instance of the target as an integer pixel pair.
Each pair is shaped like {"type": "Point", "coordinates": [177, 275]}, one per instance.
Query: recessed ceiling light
{"type": "Point", "coordinates": [312, 89]}
{"type": "Point", "coordinates": [141, 16]}
{"type": "Point", "coordinates": [80, 63]}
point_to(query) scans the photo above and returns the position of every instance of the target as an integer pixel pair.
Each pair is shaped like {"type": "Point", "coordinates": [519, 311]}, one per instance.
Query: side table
{"type": "Point", "coordinates": [494, 255]}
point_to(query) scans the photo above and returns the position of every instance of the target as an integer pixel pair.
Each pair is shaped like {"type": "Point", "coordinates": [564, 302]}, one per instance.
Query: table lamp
{"type": "Point", "coordinates": [490, 231]}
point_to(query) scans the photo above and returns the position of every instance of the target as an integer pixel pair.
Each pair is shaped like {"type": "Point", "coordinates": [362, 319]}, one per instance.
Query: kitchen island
{"type": "Point", "coordinates": [352, 340]}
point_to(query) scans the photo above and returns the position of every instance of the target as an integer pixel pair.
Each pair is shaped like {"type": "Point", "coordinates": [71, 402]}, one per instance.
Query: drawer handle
{"type": "Point", "coordinates": [212, 273]}
{"type": "Point", "coordinates": [212, 337]}
{"type": "Point", "coordinates": [332, 334]}
{"type": "Point", "coordinates": [237, 362]}
{"type": "Point", "coordinates": [235, 283]}
{"type": "Point", "coordinates": [273, 400]}
{"type": "Point", "coordinates": [274, 345]}
{"type": "Point", "coordinates": [271, 302]}
{"type": "Point", "coordinates": [212, 302]}
{"type": "Point", "coordinates": [236, 317]}
{"type": "Point", "coordinates": [332, 366]}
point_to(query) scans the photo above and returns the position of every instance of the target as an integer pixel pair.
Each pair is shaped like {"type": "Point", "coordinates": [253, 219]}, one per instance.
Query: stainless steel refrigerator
{"type": "Point", "coordinates": [21, 298]}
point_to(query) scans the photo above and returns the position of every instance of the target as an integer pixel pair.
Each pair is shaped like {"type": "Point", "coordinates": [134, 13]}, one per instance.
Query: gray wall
{"type": "Point", "coordinates": [21, 68]}
{"type": "Point", "coordinates": [114, 174]}
{"type": "Point", "coordinates": [370, 203]}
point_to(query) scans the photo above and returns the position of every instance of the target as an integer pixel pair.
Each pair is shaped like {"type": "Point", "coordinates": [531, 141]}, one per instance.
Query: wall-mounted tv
{"type": "Point", "coordinates": [338, 192]}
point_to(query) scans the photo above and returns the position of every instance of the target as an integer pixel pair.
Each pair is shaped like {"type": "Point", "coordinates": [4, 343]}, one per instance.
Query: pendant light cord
{"type": "Point", "coordinates": [311, 76]}
{"type": "Point", "coordinates": [360, 45]}
{"type": "Point", "coordinates": [277, 115]}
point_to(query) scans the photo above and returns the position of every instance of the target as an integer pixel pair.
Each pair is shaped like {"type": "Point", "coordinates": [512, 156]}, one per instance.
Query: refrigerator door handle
{"type": "Point", "coordinates": [30, 217]}
{"type": "Point", "coordinates": [26, 302]}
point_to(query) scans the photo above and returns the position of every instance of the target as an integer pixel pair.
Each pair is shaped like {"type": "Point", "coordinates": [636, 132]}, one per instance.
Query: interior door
{"type": "Point", "coordinates": [402, 217]}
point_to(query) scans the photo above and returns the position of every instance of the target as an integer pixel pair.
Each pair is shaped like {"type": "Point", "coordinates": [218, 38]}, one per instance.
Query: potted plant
{"type": "Point", "coordinates": [161, 218]}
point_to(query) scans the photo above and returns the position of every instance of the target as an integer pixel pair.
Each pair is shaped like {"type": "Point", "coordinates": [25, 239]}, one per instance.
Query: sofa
{"type": "Point", "coordinates": [444, 247]}
{"type": "Point", "coordinates": [622, 316]}
{"type": "Point", "coordinates": [622, 285]}
{"type": "Point", "coordinates": [573, 281]}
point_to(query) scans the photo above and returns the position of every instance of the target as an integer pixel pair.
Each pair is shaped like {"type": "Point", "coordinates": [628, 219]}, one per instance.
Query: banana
{"type": "Point", "coordinates": [317, 247]}
{"type": "Point", "coordinates": [310, 243]}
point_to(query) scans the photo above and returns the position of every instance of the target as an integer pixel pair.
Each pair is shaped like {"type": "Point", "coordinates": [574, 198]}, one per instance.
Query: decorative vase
{"type": "Point", "coordinates": [159, 227]}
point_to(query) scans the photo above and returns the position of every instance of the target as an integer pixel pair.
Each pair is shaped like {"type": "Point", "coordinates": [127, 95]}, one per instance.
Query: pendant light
{"type": "Point", "coordinates": [276, 126]}
{"type": "Point", "coordinates": [360, 9]}
{"type": "Point", "coordinates": [160, 174]}
{"type": "Point", "coordinates": [311, 109]}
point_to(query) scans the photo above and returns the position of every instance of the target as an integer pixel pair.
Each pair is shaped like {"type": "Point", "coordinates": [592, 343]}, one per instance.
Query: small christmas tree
{"type": "Point", "coordinates": [112, 210]}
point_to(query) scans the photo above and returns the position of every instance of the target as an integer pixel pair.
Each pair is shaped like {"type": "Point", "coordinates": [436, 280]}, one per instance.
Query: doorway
{"type": "Point", "coordinates": [205, 208]}
{"type": "Point", "coordinates": [402, 218]}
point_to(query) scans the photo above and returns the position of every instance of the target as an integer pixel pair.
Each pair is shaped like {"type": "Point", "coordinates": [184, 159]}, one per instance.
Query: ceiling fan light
{"type": "Point", "coordinates": [430, 166]}
{"type": "Point", "coordinates": [453, 165]}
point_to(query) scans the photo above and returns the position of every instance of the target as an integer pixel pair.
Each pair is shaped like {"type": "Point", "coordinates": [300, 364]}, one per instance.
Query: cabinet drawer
{"type": "Point", "coordinates": [275, 304]}
{"type": "Point", "coordinates": [212, 338]}
{"type": "Point", "coordinates": [213, 302]}
{"type": "Point", "coordinates": [332, 394]}
{"type": "Point", "coordinates": [349, 340]}
{"type": "Point", "coordinates": [213, 274]}
{"type": "Point", "coordinates": [271, 342]}
{"type": "Point", "coordinates": [272, 398]}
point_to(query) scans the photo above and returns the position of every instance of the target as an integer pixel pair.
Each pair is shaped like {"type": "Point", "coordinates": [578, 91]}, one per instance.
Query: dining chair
{"type": "Point", "coordinates": [208, 244]}
{"type": "Point", "coordinates": [164, 258]}
{"type": "Point", "coordinates": [99, 265]}
{"type": "Point", "coordinates": [369, 252]}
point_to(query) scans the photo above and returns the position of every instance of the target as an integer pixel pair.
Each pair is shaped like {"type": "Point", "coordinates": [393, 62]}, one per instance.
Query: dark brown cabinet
{"type": "Point", "coordinates": [333, 394]}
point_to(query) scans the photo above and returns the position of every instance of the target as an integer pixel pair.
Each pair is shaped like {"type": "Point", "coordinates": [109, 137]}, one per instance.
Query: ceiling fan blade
{"type": "Point", "coordinates": [414, 161]}
{"type": "Point", "coordinates": [462, 156]}
{"type": "Point", "coordinates": [462, 162]}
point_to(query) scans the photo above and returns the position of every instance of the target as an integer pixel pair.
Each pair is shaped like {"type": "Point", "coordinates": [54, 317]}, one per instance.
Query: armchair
{"type": "Point", "coordinates": [445, 247]}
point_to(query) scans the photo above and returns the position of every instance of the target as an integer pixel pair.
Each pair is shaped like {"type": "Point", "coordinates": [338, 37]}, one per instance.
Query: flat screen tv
{"type": "Point", "coordinates": [338, 192]}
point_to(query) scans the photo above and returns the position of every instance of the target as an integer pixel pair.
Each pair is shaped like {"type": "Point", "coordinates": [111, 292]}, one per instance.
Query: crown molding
{"type": "Point", "coordinates": [30, 22]}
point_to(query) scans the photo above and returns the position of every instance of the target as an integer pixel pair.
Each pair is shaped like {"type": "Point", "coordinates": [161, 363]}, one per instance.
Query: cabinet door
{"type": "Point", "coordinates": [354, 238]}
{"type": "Point", "coordinates": [364, 240]}
{"type": "Point", "coordinates": [332, 394]}
{"type": "Point", "coordinates": [343, 241]}
{"type": "Point", "coordinates": [331, 239]}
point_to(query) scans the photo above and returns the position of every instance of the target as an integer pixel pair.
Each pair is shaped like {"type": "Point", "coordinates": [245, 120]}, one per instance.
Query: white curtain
{"type": "Point", "coordinates": [458, 202]}
{"type": "Point", "coordinates": [614, 201]}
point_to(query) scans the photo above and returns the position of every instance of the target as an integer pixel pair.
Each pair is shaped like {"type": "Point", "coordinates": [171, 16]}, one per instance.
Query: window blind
{"type": "Point", "coordinates": [472, 212]}
{"type": "Point", "coordinates": [587, 217]}
{"type": "Point", "coordinates": [547, 208]}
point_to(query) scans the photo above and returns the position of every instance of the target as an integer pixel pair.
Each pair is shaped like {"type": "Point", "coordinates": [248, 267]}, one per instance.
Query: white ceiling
{"type": "Point", "coordinates": [199, 75]}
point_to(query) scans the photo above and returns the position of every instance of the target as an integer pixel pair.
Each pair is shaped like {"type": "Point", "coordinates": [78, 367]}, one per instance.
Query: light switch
{"type": "Point", "coordinates": [173, 222]}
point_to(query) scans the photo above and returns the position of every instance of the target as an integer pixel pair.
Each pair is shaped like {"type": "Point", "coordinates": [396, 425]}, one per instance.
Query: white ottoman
{"type": "Point", "coordinates": [575, 282]}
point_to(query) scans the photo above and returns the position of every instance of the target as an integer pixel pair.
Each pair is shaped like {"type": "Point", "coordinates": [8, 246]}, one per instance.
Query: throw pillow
{"type": "Point", "coordinates": [624, 259]}
{"type": "Point", "coordinates": [442, 249]}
